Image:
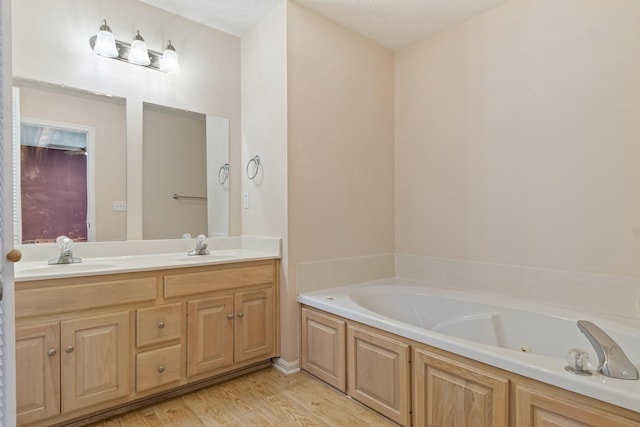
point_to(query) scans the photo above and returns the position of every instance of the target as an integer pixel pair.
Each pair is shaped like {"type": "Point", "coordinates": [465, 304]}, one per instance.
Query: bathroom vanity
{"type": "Point", "coordinates": [113, 339]}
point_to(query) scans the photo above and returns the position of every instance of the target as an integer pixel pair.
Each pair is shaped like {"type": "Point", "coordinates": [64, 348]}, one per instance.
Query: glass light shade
{"type": "Point", "coordinates": [169, 62]}
{"type": "Point", "coordinates": [138, 54]}
{"type": "Point", "coordinates": [105, 44]}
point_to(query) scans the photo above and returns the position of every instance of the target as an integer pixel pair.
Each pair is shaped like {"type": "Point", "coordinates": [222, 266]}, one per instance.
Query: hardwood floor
{"type": "Point", "coordinates": [263, 398]}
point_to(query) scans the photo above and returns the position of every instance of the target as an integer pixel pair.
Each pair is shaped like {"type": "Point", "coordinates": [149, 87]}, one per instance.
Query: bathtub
{"type": "Point", "coordinates": [515, 335]}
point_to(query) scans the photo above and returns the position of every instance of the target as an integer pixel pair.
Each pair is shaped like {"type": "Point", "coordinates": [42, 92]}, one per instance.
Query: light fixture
{"type": "Point", "coordinates": [169, 61]}
{"type": "Point", "coordinates": [105, 44]}
{"type": "Point", "coordinates": [139, 54]}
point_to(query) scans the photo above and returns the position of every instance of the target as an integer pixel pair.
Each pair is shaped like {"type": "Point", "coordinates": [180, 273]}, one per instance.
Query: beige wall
{"type": "Point", "coordinates": [51, 43]}
{"type": "Point", "coordinates": [517, 138]}
{"type": "Point", "coordinates": [174, 161]}
{"type": "Point", "coordinates": [340, 145]}
{"type": "Point", "coordinates": [107, 116]}
{"type": "Point", "coordinates": [264, 133]}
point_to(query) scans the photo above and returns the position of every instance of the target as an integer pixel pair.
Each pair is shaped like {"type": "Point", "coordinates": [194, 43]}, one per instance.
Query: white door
{"type": "Point", "coordinates": [7, 320]}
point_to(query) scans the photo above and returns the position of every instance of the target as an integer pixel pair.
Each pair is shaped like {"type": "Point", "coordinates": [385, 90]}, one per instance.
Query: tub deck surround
{"type": "Point", "coordinates": [100, 258]}
{"type": "Point", "coordinates": [511, 334]}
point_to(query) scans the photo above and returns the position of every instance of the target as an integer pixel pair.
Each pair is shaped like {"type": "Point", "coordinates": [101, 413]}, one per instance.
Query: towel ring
{"type": "Point", "coordinates": [256, 167]}
{"type": "Point", "coordinates": [223, 174]}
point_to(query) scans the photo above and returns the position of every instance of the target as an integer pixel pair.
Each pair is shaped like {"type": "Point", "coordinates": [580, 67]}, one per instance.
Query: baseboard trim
{"type": "Point", "coordinates": [287, 367]}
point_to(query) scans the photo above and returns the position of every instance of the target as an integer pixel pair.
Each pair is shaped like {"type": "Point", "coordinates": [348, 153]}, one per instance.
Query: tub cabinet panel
{"type": "Point", "coordinates": [378, 372]}
{"type": "Point", "coordinates": [37, 372]}
{"type": "Point", "coordinates": [442, 388]}
{"type": "Point", "coordinates": [449, 393]}
{"type": "Point", "coordinates": [323, 352]}
{"type": "Point", "coordinates": [536, 407]}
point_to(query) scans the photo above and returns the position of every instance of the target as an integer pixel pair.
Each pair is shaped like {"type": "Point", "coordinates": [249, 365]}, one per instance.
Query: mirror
{"type": "Point", "coordinates": [185, 173]}
{"type": "Point", "coordinates": [183, 153]}
{"type": "Point", "coordinates": [70, 164]}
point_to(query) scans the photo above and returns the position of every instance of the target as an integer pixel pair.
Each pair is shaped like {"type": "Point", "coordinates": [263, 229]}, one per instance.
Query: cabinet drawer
{"type": "Point", "coordinates": [179, 285]}
{"type": "Point", "coordinates": [66, 298]}
{"type": "Point", "coordinates": [158, 367]}
{"type": "Point", "coordinates": [156, 325]}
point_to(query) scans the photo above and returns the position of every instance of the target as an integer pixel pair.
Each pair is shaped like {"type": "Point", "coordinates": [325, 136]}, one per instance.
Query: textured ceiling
{"type": "Point", "coordinates": [392, 23]}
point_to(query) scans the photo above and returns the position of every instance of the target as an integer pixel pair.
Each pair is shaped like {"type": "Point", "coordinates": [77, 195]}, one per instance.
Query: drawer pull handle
{"type": "Point", "coordinates": [160, 325]}
{"type": "Point", "coordinates": [230, 316]}
{"type": "Point", "coordinates": [241, 314]}
{"type": "Point", "coordinates": [69, 349]}
{"type": "Point", "coordinates": [52, 352]}
{"type": "Point", "coordinates": [161, 369]}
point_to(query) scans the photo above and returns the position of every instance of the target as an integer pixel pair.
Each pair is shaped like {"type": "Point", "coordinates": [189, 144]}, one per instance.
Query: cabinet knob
{"type": "Point", "coordinates": [241, 314]}
{"type": "Point", "coordinates": [229, 316]}
{"type": "Point", "coordinates": [52, 352]}
{"type": "Point", "coordinates": [69, 349]}
{"type": "Point", "coordinates": [161, 369]}
{"type": "Point", "coordinates": [160, 324]}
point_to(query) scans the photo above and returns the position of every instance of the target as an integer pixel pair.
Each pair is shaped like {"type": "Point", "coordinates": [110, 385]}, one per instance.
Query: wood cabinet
{"type": "Point", "coordinates": [91, 355]}
{"type": "Point", "coordinates": [323, 350]}
{"type": "Point", "coordinates": [414, 384]}
{"type": "Point", "coordinates": [95, 362]}
{"type": "Point", "coordinates": [88, 344]}
{"type": "Point", "coordinates": [537, 406]}
{"type": "Point", "coordinates": [230, 329]}
{"type": "Point", "coordinates": [447, 392]}
{"type": "Point", "coordinates": [378, 372]}
{"type": "Point", "coordinates": [37, 372]}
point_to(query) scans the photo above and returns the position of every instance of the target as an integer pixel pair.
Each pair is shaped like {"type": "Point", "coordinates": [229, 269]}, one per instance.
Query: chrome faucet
{"type": "Point", "coordinates": [611, 359]}
{"type": "Point", "coordinates": [66, 252]}
{"type": "Point", "coordinates": [201, 247]}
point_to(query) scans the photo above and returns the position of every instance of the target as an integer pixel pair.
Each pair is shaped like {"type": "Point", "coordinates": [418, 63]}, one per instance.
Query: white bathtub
{"type": "Point", "coordinates": [515, 335]}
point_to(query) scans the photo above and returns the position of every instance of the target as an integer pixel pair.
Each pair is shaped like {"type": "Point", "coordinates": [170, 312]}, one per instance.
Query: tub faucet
{"type": "Point", "coordinates": [201, 247]}
{"type": "Point", "coordinates": [66, 252]}
{"type": "Point", "coordinates": [611, 359]}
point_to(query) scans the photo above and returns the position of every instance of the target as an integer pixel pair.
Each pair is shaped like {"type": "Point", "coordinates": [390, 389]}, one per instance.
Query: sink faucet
{"type": "Point", "coordinates": [612, 360]}
{"type": "Point", "coordinates": [201, 247]}
{"type": "Point", "coordinates": [66, 252]}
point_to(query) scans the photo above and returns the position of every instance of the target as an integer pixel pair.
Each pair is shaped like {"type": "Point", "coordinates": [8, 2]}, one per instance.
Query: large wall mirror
{"type": "Point", "coordinates": [70, 160]}
{"type": "Point", "coordinates": [185, 173]}
{"type": "Point", "coordinates": [71, 168]}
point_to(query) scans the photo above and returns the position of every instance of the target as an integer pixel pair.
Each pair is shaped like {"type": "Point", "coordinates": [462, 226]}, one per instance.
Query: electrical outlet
{"type": "Point", "coordinates": [119, 205]}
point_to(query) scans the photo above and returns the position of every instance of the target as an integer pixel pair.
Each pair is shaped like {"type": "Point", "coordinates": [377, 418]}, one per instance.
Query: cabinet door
{"type": "Point", "coordinates": [96, 360]}
{"type": "Point", "coordinates": [37, 372]}
{"type": "Point", "coordinates": [378, 373]}
{"type": "Point", "coordinates": [209, 334]}
{"type": "Point", "coordinates": [255, 324]}
{"type": "Point", "coordinates": [450, 393]}
{"type": "Point", "coordinates": [323, 352]}
{"type": "Point", "coordinates": [536, 408]}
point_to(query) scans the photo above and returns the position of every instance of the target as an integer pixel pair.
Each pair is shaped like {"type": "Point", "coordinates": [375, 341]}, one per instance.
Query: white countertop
{"type": "Point", "coordinates": [126, 257]}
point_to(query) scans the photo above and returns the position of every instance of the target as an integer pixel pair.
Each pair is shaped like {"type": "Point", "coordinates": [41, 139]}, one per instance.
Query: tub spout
{"type": "Point", "coordinates": [612, 360]}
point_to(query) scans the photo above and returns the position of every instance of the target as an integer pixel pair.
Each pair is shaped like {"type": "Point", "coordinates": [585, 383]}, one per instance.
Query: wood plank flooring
{"type": "Point", "coordinates": [263, 398]}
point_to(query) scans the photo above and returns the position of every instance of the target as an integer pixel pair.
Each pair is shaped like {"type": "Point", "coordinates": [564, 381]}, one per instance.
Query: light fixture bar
{"type": "Point", "coordinates": [123, 54]}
